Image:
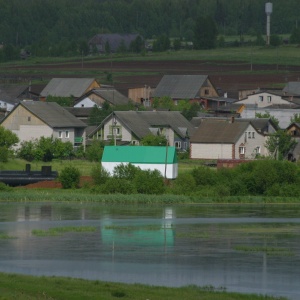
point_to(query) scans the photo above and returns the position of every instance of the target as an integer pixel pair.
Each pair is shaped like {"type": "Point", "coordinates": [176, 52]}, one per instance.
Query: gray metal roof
{"type": "Point", "coordinates": [142, 123]}
{"type": "Point", "coordinates": [180, 86]}
{"type": "Point", "coordinates": [52, 114]}
{"type": "Point", "coordinates": [112, 96]}
{"type": "Point", "coordinates": [11, 93]}
{"type": "Point", "coordinates": [292, 88]}
{"type": "Point", "coordinates": [67, 87]}
{"type": "Point", "coordinates": [216, 131]}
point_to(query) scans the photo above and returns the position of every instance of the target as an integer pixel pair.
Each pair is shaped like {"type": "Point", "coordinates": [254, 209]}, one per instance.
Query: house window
{"type": "Point", "coordinates": [82, 105]}
{"type": "Point", "coordinates": [253, 135]}
{"type": "Point", "coordinates": [135, 142]}
{"type": "Point", "coordinates": [261, 98]}
{"type": "Point", "coordinates": [67, 134]}
{"type": "Point", "coordinates": [60, 134]}
{"type": "Point", "coordinates": [257, 150]}
{"type": "Point", "coordinates": [269, 99]}
{"type": "Point", "coordinates": [241, 150]}
{"type": "Point", "coordinates": [206, 91]}
{"type": "Point", "coordinates": [29, 119]}
{"type": "Point", "coordinates": [117, 130]}
{"type": "Point", "coordinates": [249, 135]}
{"type": "Point", "coordinates": [178, 144]}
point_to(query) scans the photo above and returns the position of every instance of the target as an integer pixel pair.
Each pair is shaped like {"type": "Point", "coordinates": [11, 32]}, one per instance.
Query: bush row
{"type": "Point", "coordinates": [256, 178]}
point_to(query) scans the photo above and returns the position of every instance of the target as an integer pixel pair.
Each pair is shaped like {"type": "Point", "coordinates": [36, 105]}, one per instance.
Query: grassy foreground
{"type": "Point", "coordinates": [21, 287]}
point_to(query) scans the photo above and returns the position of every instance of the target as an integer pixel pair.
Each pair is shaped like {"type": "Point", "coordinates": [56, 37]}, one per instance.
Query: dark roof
{"type": "Point", "coordinates": [52, 114]}
{"type": "Point", "coordinates": [180, 86]}
{"type": "Point", "coordinates": [109, 94]}
{"type": "Point", "coordinates": [80, 112]}
{"type": "Point", "coordinates": [260, 124]}
{"type": "Point", "coordinates": [214, 131]}
{"type": "Point", "coordinates": [292, 88]}
{"type": "Point", "coordinates": [67, 87]}
{"type": "Point", "coordinates": [114, 40]}
{"type": "Point", "coordinates": [11, 93]}
{"type": "Point", "coordinates": [142, 123]}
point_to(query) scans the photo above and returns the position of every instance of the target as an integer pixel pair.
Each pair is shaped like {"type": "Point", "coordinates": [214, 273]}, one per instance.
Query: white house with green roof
{"type": "Point", "coordinates": [163, 159]}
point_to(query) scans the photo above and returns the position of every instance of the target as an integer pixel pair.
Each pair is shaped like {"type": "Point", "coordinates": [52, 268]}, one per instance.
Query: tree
{"type": "Point", "coordinates": [295, 36]}
{"type": "Point", "coordinates": [70, 177]}
{"type": "Point", "coordinates": [98, 114]}
{"type": "Point", "coordinates": [295, 118]}
{"type": "Point", "coordinates": [162, 43]}
{"type": "Point", "coordinates": [163, 102]}
{"type": "Point", "coordinates": [154, 140]}
{"type": "Point", "coordinates": [267, 115]}
{"type": "Point", "coordinates": [7, 140]}
{"type": "Point", "coordinates": [205, 33]}
{"type": "Point", "coordinates": [275, 40]}
{"type": "Point", "coordinates": [280, 143]}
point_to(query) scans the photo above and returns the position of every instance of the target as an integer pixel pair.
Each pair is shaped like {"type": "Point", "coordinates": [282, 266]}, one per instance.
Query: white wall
{"type": "Point", "coordinates": [267, 100]}
{"type": "Point", "coordinates": [211, 151]}
{"type": "Point", "coordinates": [171, 172]}
{"type": "Point", "coordinates": [87, 102]}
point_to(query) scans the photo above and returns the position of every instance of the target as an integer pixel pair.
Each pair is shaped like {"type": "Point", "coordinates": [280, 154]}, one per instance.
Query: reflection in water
{"type": "Point", "coordinates": [173, 246]}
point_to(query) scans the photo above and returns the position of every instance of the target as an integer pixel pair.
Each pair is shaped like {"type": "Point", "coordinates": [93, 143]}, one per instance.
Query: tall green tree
{"type": "Point", "coordinates": [205, 33]}
{"type": "Point", "coordinates": [279, 144]}
{"type": "Point", "coordinates": [7, 140]}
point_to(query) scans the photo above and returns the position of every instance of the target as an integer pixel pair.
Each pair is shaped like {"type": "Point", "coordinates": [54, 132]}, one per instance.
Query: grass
{"type": "Point", "coordinates": [55, 231]}
{"type": "Point", "coordinates": [23, 287]}
{"type": "Point", "coordinates": [84, 166]}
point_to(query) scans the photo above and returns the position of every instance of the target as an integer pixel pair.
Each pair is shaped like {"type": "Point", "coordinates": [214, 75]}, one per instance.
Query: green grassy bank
{"type": "Point", "coordinates": [85, 195]}
{"type": "Point", "coordinates": [21, 287]}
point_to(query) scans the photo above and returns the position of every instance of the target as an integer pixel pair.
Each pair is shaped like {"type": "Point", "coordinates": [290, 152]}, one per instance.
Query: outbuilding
{"type": "Point", "coordinates": [163, 159]}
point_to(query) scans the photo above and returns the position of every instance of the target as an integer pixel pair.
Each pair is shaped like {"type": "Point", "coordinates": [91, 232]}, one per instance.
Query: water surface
{"type": "Point", "coordinates": [242, 248]}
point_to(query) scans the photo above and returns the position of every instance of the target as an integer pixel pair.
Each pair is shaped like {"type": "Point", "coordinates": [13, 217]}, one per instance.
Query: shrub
{"type": "Point", "coordinates": [149, 182]}
{"type": "Point", "coordinates": [69, 177]}
{"type": "Point", "coordinates": [125, 171]}
{"type": "Point", "coordinates": [184, 184]}
{"type": "Point", "coordinates": [99, 174]}
{"type": "Point", "coordinates": [4, 187]}
{"type": "Point", "coordinates": [204, 175]}
{"type": "Point", "coordinates": [94, 151]}
{"type": "Point", "coordinates": [116, 185]}
{"type": "Point", "coordinates": [3, 154]}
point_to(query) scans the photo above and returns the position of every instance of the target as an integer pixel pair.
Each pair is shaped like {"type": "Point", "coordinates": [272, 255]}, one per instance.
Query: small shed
{"type": "Point", "coordinates": [163, 159]}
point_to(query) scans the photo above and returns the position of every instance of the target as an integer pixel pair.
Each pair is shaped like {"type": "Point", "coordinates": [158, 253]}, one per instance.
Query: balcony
{"type": "Point", "coordinates": [78, 140]}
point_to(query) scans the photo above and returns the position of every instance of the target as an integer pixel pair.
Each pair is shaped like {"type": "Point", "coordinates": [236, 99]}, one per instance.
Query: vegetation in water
{"type": "Point", "coordinates": [62, 230]}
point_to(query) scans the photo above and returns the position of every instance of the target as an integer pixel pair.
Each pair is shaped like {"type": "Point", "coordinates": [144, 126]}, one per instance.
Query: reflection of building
{"type": "Point", "coordinates": [139, 235]}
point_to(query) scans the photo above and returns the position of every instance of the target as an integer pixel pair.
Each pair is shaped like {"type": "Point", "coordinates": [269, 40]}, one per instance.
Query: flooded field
{"type": "Point", "coordinates": [242, 248]}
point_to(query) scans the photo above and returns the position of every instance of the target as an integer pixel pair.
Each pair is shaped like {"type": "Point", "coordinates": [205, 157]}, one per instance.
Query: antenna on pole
{"type": "Point", "coordinates": [268, 10]}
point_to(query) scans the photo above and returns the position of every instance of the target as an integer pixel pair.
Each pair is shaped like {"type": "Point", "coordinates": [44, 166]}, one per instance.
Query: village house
{"type": "Point", "coordinates": [185, 87]}
{"type": "Point", "coordinates": [96, 97]}
{"type": "Point", "coordinates": [11, 95]}
{"type": "Point", "coordinates": [68, 87]}
{"type": "Point", "coordinates": [227, 139]}
{"type": "Point", "coordinates": [31, 120]}
{"type": "Point", "coordinates": [129, 127]}
{"type": "Point", "coordinates": [141, 95]}
{"type": "Point", "coordinates": [263, 99]}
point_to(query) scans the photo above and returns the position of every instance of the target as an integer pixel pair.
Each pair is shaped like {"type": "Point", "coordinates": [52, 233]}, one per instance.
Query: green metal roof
{"type": "Point", "coordinates": [140, 154]}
